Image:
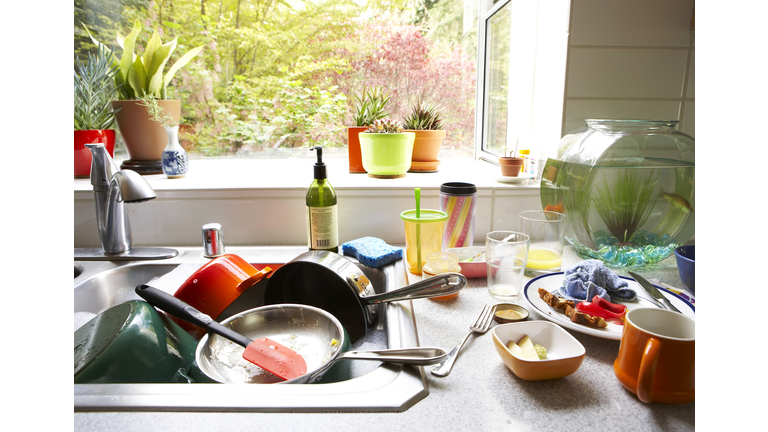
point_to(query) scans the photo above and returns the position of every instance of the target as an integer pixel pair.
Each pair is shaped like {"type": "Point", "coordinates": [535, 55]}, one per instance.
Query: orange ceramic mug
{"type": "Point", "coordinates": [657, 356]}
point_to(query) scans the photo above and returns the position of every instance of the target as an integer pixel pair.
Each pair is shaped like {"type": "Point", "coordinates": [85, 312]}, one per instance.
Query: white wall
{"type": "Point", "coordinates": [631, 59]}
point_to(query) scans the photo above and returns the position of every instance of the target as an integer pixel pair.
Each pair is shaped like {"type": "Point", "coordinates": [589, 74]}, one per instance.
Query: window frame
{"type": "Point", "coordinates": [540, 128]}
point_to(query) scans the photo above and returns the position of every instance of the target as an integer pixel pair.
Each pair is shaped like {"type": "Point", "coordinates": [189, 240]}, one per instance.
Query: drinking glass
{"type": "Point", "coordinates": [547, 232]}
{"type": "Point", "coordinates": [506, 253]}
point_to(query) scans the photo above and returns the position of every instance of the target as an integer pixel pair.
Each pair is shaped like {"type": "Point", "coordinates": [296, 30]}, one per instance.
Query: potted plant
{"type": "Point", "coordinates": [94, 115]}
{"type": "Point", "coordinates": [386, 150]}
{"type": "Point", "coordinates": [141, 75]}
{"type": "Point", "coordinates": [370, 107]}
{"type": "Point", "coordinates": [425, 120]}
{"type": "Point", "coordinates": [175, 160]}
{"type": "Point", "coordinates": [510, 165]}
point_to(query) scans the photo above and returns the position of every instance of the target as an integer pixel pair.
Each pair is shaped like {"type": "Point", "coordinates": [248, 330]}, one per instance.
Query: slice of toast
{"type": "Point", "coordinates": [584, 319]}
{"type": "Point", "coordinates": [555, 301]}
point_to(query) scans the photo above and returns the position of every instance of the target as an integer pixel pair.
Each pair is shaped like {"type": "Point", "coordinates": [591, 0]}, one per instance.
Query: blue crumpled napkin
{"type": "Point", "coordinates": [590, 278]}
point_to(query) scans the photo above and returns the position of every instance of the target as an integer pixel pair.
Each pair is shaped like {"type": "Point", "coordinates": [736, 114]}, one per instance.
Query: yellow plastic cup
{"type": "Point", "coordinates": [423, 235]}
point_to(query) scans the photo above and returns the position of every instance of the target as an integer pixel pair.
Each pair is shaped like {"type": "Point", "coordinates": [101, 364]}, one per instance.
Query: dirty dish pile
{"type": "Point", "coordinates": [313, 333]}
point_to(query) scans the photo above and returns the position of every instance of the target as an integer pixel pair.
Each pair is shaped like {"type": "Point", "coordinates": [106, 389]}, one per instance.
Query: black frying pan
{"type": "Point", "coordinates": [334, 283]}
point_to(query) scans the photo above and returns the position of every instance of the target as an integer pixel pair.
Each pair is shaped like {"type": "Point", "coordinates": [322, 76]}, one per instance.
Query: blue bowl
{"type": "Point", "coordinates": [686, 265]}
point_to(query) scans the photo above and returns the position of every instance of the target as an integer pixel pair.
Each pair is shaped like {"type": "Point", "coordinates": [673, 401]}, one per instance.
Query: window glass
{"type": "Point", "coordinates": [497, 81]}
{"type": "Point", "coordinates": [277, 77]}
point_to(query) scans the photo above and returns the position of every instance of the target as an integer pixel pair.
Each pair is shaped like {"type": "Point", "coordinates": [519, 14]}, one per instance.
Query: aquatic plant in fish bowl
{"type": "Point", "coordinates": [627, 187]}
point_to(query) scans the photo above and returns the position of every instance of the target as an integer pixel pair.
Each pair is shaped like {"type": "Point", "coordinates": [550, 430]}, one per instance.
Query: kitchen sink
{"type": "Point", "coordinates": [364, 387]}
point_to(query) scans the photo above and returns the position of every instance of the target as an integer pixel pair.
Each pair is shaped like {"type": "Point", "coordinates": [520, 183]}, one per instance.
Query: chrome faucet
{"type": "Point", "coordinates": [112, 189]}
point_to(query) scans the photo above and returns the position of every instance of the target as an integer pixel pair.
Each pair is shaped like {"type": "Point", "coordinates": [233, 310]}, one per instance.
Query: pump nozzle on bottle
{"type": "Point", "coordinates": [320, 172]}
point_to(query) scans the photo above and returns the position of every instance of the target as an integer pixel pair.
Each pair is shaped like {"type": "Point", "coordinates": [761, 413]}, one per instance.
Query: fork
{"type": "Point", "coordinates": [481, 326]}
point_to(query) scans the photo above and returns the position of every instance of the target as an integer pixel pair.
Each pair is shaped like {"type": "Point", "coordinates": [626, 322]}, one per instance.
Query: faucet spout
{"type": "Point", "coordinates": [112, 188]}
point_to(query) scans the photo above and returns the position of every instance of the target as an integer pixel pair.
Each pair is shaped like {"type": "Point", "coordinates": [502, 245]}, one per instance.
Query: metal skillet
{"type": "Point", "coordinates": [334, 283]}
{"type": "Point", "coordinates": [312, 332]}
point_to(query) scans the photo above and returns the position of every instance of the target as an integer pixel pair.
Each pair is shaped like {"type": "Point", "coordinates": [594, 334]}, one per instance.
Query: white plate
{"type": "Point", "coordinates": [519, 179]}
{"type": "Point", "coordinates": [553, 281]}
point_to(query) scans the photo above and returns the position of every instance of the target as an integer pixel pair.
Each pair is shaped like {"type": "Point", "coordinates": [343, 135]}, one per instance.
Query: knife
{"type": "Point", "coordinates": [650, 289]}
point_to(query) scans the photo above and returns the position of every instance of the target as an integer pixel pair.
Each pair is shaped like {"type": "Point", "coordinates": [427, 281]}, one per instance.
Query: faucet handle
{"type": "Point", "coordinates": [213, 240]}
{"type": "Point", "coordinates": [103, 167]}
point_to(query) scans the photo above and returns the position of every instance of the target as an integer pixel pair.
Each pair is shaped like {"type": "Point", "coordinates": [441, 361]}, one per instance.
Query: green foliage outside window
{"type": "Point", "coordinates": [277, 75]}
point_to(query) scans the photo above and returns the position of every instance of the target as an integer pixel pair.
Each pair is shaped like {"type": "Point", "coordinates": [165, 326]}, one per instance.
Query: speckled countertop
{"type": "Point", "coordinates": [480, 394]}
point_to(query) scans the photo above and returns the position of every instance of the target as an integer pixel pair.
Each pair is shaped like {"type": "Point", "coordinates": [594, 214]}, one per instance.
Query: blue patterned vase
{"type": "Point", "coordinates": [175, 159]}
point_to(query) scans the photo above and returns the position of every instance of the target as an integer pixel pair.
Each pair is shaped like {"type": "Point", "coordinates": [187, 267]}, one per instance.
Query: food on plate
{"type": "Point", "coordinates": [525, 349]}
{"type": "Point", "coordinates": [595, 309]}
{"type": "Point", "coordinates": [584, 319]}
{"type": "Point", "coordinates": [555, 301]}
{"type": "Point", "coordinates": [569, 308]}
{"type": "Point", "coordinates": [605, 304]}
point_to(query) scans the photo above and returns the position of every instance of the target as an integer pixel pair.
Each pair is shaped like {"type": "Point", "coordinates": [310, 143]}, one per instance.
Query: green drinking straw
{"type": "Point", "coordinates": [418, 228]}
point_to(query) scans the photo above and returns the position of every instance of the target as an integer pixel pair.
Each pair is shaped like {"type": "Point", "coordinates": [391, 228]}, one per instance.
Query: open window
{"type": "Point", "coordinates": [522, 53]}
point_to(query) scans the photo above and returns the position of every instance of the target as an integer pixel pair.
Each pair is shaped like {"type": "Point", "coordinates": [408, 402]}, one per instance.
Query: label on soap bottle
{"type": "Point", "coordinates": [322, 228]}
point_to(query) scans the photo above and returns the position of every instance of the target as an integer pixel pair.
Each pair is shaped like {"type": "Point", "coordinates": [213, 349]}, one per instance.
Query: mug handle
{"type": "Point", "coordinates": [648, 369]}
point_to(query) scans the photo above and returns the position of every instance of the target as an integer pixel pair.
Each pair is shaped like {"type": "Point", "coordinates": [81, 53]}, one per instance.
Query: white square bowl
{"type": "Point", "coordinates": [564, 352]}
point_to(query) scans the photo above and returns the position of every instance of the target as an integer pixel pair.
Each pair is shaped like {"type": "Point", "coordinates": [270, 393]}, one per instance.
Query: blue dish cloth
{"type": "Point", "coordinates": [591, 277]}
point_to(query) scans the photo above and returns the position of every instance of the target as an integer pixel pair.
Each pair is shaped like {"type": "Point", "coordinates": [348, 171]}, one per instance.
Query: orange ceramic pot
{"type": "Point", "coordinates": [657, 356]}
{"type": "Point", "coordinates": [214, 286]}
{"type": "Point", "coordinates": [355, 155]}
{"type": "Point", "coordinates": [145, 139]}
{"type": "Point", "coordinates": [510, 166]}
{"type": "Point", "coordinates": [83, 155]}
{"type": "Point", "coordinates": [426, 148]}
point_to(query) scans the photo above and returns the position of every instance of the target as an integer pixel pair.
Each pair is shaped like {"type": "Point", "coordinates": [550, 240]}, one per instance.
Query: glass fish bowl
{"type": "Point", "coordinates": [627, 187]}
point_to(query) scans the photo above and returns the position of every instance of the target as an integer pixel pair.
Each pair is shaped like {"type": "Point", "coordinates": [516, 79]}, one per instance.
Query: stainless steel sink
{"type": "Point", "coordinates": [369, 387]}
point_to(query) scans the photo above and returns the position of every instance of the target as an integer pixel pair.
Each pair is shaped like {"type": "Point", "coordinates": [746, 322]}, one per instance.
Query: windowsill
{"type": "Point", "coordinates": [208, 175]}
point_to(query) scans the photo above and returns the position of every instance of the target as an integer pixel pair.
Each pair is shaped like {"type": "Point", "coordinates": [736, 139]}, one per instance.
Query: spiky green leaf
{"type": "Point", "coordinates": [155, 71]}
{"type": "Point", "coordinates": [186, 58]}
{"type": "Point", "coordinates": [128, 56]}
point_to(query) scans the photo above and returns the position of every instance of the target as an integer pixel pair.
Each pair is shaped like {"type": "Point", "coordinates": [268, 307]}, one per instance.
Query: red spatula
{"type": "Point", "coordinates": [263, 352]}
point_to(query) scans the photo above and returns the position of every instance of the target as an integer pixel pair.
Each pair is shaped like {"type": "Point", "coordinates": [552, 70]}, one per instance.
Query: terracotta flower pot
{"type": "Point", "coordinates": [144, 138]}
{"type": "Point", "coordinates": [426, 149]}
{"type": "Point", "coordinates": [510, 166]}
{"type": "Point", "coordinates": [83, 155]}
{"type": "Point", "coordinates": [355, 156]}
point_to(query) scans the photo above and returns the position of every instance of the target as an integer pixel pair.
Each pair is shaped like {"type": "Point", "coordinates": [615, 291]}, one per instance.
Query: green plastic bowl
{"type": "Point", "coordinates": [133, 343]}
{"type": "Point", "coordinates": [387, 154]}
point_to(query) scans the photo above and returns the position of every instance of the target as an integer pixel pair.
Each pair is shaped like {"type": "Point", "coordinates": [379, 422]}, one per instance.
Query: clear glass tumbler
{"type": "Point", "coordinates": [547, 232]}
{"type": "Point", "coordinates": [506, 254]}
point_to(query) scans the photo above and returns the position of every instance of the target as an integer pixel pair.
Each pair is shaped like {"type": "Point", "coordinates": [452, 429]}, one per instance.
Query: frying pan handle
{"type": "Point", "coordinates": [414, 356]}
{"type": "Point", "coordinates": [437, 286]}
{"type": "Point", "coordinates": [181, 309]}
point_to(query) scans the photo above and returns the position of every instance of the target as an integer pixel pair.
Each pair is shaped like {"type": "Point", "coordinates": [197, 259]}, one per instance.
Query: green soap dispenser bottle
{"type": "Point", "coordinates": [322, 211]}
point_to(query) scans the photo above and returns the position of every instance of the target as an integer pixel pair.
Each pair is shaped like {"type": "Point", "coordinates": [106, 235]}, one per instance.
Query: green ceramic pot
{"type": "Point", "coordinates": [387, 155]}
{"type": "Point", "coordinates": [133, 343]}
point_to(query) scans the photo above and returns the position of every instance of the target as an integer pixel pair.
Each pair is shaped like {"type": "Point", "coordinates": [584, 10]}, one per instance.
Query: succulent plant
{"type": "Point", "coordinates": [424, 116]}
{"type": "Point", "coordinates": [385, 126]}
{"type": "Point", "coordinates": [370, 106]}
{"type": "Point", "coordinates": [94, 92]}
{"type": "Point", "coordinates": [143, 74]}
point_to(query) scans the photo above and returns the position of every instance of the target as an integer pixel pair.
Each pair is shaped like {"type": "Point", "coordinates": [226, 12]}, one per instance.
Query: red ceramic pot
{"type": "Point", "coordinates": [83, 155]}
